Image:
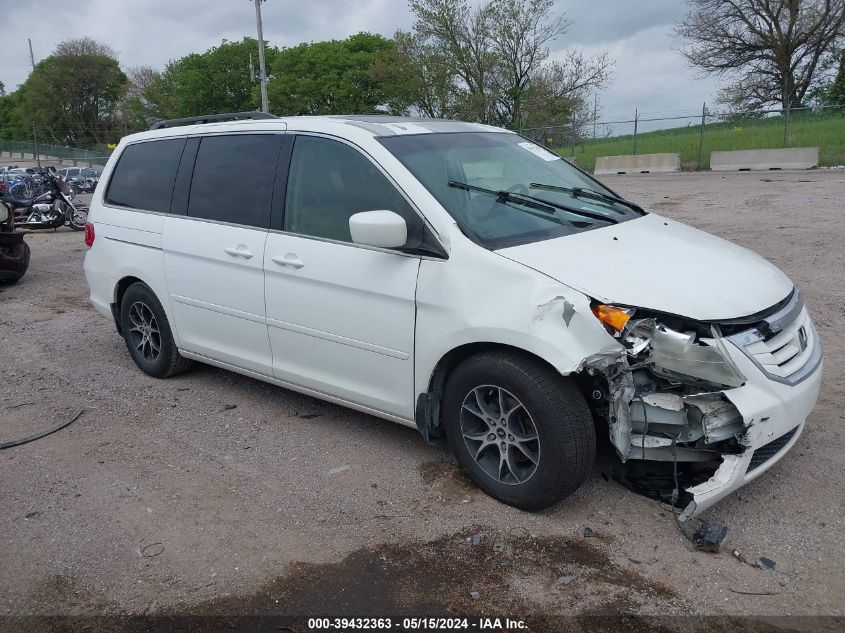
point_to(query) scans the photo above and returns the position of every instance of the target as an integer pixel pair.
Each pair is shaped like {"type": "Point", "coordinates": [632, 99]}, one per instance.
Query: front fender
{"type": "Point", "coordinates": [481, 297]}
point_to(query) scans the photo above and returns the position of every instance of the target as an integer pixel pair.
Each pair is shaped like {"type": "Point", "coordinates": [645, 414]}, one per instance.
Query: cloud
{"type": "Point", "coordinates": [649, 74]}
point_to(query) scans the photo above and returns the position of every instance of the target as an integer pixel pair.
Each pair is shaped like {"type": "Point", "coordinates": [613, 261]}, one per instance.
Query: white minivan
{"type": "Point", "coordinates": [459, 279]}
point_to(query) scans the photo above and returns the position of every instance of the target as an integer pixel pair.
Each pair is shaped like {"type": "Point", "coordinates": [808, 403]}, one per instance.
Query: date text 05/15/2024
{"type": "Point", "coordinates": [416, 624]}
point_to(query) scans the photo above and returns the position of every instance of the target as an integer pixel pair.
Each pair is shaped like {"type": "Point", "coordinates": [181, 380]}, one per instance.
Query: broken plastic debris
{"type": "Point", "coordinates": [765, 563]}
{"type": "Point", "coordinates": [565, 580]}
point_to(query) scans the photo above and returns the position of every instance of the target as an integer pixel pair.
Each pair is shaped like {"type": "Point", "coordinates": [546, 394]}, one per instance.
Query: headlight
{"type": "Point", "coordinates": [613, 318]}
{"type": "Point", "coordinates": [708, 360]}
{"type": "Point", "coordinates": [672, 354]}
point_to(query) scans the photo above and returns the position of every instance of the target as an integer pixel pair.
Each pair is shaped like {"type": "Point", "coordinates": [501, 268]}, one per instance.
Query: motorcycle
{"type": "Point", "coordinates": [49, 209]}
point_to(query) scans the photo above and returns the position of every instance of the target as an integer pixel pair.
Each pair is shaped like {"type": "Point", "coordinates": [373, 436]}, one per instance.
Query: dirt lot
{"type": "Point", "coordinates": [215, 493]}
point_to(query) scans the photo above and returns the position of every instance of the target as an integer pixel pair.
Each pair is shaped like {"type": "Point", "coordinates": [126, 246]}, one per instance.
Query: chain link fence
{"type": "Point", "coordinates": [694, 135]}
{"type": "Point", "coordinates": [691, 134]}
{"type": "Point", "coordinates": [10, 151]}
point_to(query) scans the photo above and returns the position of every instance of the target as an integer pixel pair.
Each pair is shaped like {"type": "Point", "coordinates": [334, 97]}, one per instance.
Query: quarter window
{"type": "Point", "coordinates": [144, 175]}
{"type": "Point", "coordinates": [233, 178]}
{"type": "Point", "coordinates": [331, 181]}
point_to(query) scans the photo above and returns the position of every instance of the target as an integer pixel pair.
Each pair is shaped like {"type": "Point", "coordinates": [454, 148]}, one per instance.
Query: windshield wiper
{"type": "Point", "coordinates": [580, 192]}
{"type": "Point", "coordinates": [535, 203]}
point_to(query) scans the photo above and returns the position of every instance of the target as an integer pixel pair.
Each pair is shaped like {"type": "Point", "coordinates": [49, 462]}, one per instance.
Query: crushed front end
{"type": "Point", "coordinates": [717, 402]}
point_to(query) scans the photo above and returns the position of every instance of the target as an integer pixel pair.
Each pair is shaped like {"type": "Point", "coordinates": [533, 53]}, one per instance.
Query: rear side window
{"type": "Point", "coordinates": [233, 178]}
{"type": "Point", "coordinates": [144, 175]}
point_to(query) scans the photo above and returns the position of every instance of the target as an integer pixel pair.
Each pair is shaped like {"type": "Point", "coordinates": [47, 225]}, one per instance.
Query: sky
{"type": "Point", "coordinates": [649, 75]}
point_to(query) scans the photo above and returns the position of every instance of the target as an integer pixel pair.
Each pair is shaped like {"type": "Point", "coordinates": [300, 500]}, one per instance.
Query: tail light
{"type": "Point", "coordinates": [89, 234]}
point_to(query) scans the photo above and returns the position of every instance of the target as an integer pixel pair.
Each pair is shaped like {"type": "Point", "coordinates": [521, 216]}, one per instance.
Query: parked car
{"type": "Point", "coordinates": [14, 251]}
{"type": "Point", "coordinates": [458, 279]}
{"type": "Point", "coordinates": [81, 179]}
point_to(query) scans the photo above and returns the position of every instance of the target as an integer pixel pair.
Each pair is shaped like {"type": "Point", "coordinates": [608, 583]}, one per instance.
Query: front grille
{"type": "Point", "coordinates": [786, 352]}
{"type": "Point", "coordinates": [785, 345]}
{"type": "Point", "coordinates": [767, 451]}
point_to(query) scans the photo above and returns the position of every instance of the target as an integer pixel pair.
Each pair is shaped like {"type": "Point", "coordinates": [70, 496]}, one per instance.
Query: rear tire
{"type": "Point", "coordinates": [521, 431]}
{"type": "Point", "coordinates": [147, 333]}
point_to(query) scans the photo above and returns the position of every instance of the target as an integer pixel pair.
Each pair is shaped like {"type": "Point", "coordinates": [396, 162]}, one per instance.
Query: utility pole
{"type": "Point", "coordinates": [34, 136]}
{"type": "Point", "coordinates": [701, 133]}
{"type": "Point", "coordinates": [636, 124]}
{"type": "Point", "coordinates": [35, 146]}
{"type": "Point", "coordinates": [262, 64]}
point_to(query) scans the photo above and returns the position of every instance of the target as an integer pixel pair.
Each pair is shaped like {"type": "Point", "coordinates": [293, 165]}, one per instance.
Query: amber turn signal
{"type": "Point", "coordinates": [613, 317]}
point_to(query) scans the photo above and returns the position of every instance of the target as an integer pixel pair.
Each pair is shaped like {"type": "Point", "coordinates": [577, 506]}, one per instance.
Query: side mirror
{"type": "Point", "coordinates": [384, 229]}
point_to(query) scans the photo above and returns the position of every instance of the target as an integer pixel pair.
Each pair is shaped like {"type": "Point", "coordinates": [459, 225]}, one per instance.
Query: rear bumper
{"type": "Point", "coordinates": [774, 414]}
{"type": "Point", "coordinates": [101, 286]}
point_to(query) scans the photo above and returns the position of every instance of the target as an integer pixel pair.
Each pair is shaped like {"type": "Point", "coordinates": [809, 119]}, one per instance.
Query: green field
{"type": "Point", "coordinates": [807, 129]}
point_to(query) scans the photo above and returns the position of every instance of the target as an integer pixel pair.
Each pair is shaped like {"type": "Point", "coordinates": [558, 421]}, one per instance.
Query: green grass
{"type": "Point", "coordinates": [825, 131]}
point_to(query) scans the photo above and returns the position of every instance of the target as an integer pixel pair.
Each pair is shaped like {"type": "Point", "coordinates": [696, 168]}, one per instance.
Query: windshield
{"type": "Point", "coordinates": [469, 173]}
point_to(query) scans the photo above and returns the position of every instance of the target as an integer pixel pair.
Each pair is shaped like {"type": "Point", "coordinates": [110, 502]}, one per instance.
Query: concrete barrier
{"type": "Point", "coordinates": [765, 159]}
{"type": "Point", "coordinates": [637, 164]}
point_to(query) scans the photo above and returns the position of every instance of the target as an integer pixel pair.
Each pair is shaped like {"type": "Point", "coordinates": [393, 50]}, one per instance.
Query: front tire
{"type": "Point", "coordinates": [77, 217]}
{"type": "Point", "coordinates": [521, 431]}
{"type": "Point", "coordinates": [147, 333]}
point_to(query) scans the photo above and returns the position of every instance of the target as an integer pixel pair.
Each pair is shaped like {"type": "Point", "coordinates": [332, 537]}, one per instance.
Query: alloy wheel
{"type": "Point", "coordinates": [144, 332]}
{"type": "Point", "coordinates": [500, 435]}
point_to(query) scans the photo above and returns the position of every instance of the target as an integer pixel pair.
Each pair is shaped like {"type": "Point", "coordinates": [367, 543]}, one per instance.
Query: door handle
{"type": "Point", "coordinates": [289, 260]}
{"type": "Point", "coordinates": [239, 251]}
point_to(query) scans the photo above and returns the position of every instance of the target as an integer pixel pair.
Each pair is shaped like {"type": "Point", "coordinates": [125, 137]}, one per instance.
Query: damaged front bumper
{"type": "Point", "coordinates": [773, 414]}
{"type": "Point", "coordinates": [718, 410]}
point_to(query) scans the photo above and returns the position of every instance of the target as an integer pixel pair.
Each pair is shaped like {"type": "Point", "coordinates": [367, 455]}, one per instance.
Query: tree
{"type": "Point", "coordinates": [463, 36]}
{"type": "Point", "coordinates": [73, 94]}
{"type": "Point", "coordinates": [769, 50]}
{"type": "Point", "coordinates": [12, 124]}
{"type": "Point", "coordinates": [217, 81]}
{"type": "Point", "coordinates": [495, 59]}
{"type": "Point", "coordinates": [331, 77]}
{"type": "Point", "coordinates": [836, 90]}
{"type": "Point", "coordinates": [556, 95]}
{"type": "Point", "coordinates": [145, 101]}
{"type": "Point", "coordinates": [521, 46]}
{"type": "Point", "coordinates": [417, 76]}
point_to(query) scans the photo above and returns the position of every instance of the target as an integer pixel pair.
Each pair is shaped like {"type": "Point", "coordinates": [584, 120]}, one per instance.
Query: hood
{"type": "Point", "coordinates": [656, 263]}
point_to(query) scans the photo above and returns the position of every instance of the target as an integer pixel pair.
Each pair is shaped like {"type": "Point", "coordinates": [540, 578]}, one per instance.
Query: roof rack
{"type": "Point", "coordinates": [228, 116]}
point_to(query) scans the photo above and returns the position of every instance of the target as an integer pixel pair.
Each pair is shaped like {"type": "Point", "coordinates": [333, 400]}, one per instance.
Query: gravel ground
{"type": "Point", "coordinates": [215, 493]}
